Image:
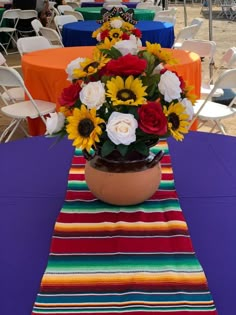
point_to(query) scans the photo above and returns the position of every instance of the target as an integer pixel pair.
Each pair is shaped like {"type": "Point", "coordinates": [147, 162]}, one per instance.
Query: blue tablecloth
{"type": "Point", "coordinates": [80, 33]}
{"type": "Point", "coordinates": [100, 4]}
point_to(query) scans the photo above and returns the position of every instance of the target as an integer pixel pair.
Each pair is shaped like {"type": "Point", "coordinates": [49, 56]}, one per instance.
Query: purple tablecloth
{"type": "Point", "coordinates": [33, 182]}
{"type": "Point", "coordinates": [100, 4]}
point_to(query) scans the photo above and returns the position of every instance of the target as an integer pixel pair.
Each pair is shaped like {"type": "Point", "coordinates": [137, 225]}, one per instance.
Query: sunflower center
{"type": "Point", "coordinates": [174, 120]}
{"type": "Point", "coordinates": [91, 66]}
{"type": "Point", "coordinates": [85, 127]}
{"type": "Point", "coordinates": [116, 35]}
{"type": "Point", "coordinates": [126, 94]}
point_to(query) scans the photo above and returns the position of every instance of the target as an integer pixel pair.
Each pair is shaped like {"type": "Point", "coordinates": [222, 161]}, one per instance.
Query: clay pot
{"type": "Point", "coordinates": [123, 182]}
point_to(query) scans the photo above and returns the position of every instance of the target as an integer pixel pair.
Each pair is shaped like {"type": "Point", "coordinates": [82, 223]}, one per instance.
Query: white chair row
{"type": "Point", "coordinates": [15, 16]}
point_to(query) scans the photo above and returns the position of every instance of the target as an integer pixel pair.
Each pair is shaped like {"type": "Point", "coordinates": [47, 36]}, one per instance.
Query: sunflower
{"type": "Point", "coordinates": [66, 111]}
{"type": "Point", "coordinates": [115, 33]}
{"type": "Point", "coordinates": [83, 127]}
{"type": "Point", "coordinates": [91, 66]}
{"type": "Point", "coordinates": [127, 26]}
{"type": "Point", "coordinates": [107, 44]}
{"type": "Point", "coordinates": [190, 95]}
{"type": "Point", "coordinates": [126, 92]}
{"type": "Point", "coordinates": [163, 56]}
{"type": "Point", "coordinates": [177, 120]}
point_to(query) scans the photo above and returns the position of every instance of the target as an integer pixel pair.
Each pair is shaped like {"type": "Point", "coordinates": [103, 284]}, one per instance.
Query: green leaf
{"type": "Point", "coordinates": [123, 149]}
{"type": "Point", "coordinates": [107, 148]}
{"type": "Point", "coordinates": [142, 148]}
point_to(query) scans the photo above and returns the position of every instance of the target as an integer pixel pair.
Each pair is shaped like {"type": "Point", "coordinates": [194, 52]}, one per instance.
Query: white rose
{"type": "Point", "coordinates": [54, 123]}
{"type": "Point", "coordinates": [121, 128]}
{"type": "Point", "coordinates": [98, 38]}
{"type": "Point", "coordinates": [127, 47]}
{"type": "Point", "coordinates": [169, 86]}
{"type": "Point", "coordinates": [116, 23]}
{"type": "Point", "coordinates": [188, 108]}
{"type": "Point", "coordinates": [74, 64]}
{"type": "Point", "coordinates": [136, 40]}
{"type": "Point", "coordinates": [93, 94]}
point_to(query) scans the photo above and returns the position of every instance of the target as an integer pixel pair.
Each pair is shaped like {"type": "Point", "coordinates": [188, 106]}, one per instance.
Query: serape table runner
{"type": "Point", "coordinates": [131, 260]}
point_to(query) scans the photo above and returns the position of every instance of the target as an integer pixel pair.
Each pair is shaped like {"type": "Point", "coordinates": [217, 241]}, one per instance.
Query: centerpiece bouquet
{"type": "Point", "coordinates": [122, 99]}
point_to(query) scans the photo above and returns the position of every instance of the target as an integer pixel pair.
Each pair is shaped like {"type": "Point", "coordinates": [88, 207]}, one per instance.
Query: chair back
{"type": "Point", "coordinates": [64, 7]}
{"type": "Point", "coordinates": [12, 14]}
{"type": "Point", "coordinates": [61, 20]}
{"type": "Point", "coordinates": [36, 24]}
{"type": "Point", "coordinates": [28, 14]}
{"type": "Point", "coordinates": [204, 48]}
{"type": "Point", "coordinates": [165, 18]}
{"type": "Point", "coordinates": [229, 58]}
{"type": "Point", "coordinates": [78, 15]}
{"type": "Point", "coordinates": [74, 5]}
{"type": "Point", "coordinates": [187, 32]}
{"type": "Point", "coordinates": [28, 44]}
{"type": "Point", "coordinates": [51, 35]}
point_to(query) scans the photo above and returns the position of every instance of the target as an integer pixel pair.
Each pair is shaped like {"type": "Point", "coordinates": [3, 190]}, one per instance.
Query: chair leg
{"type": "Point", "coordinates": [14, 125]}
{"type": "Point", "coordinates": [7, 129]}
{"type": "Point", "coordinates": [221, 127]}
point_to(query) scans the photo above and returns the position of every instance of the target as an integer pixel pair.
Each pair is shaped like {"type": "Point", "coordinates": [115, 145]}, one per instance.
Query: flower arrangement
{"type": "Point", "coordinates": [117, 29]}
{"type": "Point", "coordinates": [122, 99]}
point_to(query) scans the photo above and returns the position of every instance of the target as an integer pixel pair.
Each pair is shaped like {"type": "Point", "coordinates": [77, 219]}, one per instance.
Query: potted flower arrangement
{"type": "Point", "coordinates": [122, 100]}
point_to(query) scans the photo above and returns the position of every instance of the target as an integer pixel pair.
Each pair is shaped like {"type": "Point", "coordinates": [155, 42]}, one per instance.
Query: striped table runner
{"type": "Point", "coordinates": [131, 260]}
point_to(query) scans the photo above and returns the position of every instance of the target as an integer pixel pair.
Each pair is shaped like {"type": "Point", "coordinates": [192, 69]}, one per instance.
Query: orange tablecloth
{"type": "Point", "coordinates": [45, 76]}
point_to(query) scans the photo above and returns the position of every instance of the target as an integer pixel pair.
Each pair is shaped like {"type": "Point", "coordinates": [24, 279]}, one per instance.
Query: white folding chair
{"type": "Point", "coordinates": [64, 7]}
{"type": "Point", "coordinates": [165, 18]}
{"type": "Point", "coordinates": [28, 44]}
{"type": "Point", "coordinates": [209, 111]}
{"type": "Point", "coordinates": [187, 32]}
{"type": "Point", "coordinates": [61, 20]}
{"type": "Point", "coordinates": [24, 27]}
{"type": "Point", "coordinates": [78, 15]}
{"type": "Point", "coordinates": [20, 111]}
{"type": "Point", "coordinates": [11, 32]}
{"type": "Point", "coordinates": [74, 5]}
{"type": "Point", "coordinates": [205, 49]}
{"type": "Point", "coordinates": [52, 36]}
{"type": "Point", "coordinates": [227, 61]}
{"type": "Point", "coordinates": [13, 94]}
{"type": "Point", "coordinates": [36, 24]}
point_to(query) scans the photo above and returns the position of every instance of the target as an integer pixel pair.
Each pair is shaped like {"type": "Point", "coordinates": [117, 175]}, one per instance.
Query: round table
{"type": "Point", "coordinates": [45, 76]}
{"type": "Point", "coordinates": [131, 5]}
{"type": "Point", "coordinates": [94, 13]}
{"type": "Point", "coordinates": [80, 33]}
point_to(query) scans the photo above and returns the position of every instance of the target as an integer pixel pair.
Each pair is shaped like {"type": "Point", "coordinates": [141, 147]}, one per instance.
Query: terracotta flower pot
{"type": "Point", "coordinates": [123, 182]}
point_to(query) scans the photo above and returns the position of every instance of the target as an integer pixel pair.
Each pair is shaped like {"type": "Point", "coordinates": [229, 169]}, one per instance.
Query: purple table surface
{"type": "Point", "coordinates": [131, 5]}
{"type": "Point", "coordinates": [33, 175]}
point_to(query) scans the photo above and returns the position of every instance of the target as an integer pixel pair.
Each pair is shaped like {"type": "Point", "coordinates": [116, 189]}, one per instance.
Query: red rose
{"type": "Point", "coordinates": [152, 119]}
{"type": "Point", "coordinates": [104, 34]}
{"type": "Point", "coordinates": [70, 94]}
{"type": "Point", "coordinates": [137, 32]}
{"type": "Point", "coordinates": [125, 36]}
{"type": "Point", "coordinates": [126, 65]}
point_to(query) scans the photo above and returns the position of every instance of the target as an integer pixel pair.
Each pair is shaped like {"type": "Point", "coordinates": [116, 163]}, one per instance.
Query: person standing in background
{"type": "Point", "coordinates": [42, 7]}
{"type": "Point", "coordinates": [24, 5]}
